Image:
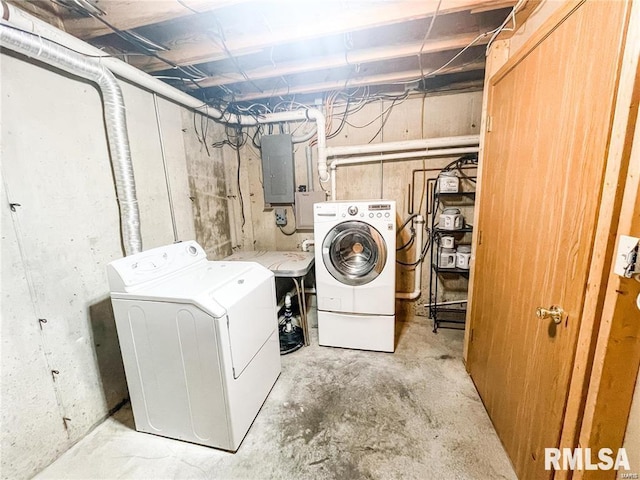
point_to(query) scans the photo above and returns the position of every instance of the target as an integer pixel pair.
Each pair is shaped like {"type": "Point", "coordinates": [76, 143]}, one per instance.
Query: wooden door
{"type": "Point", "coordinates": [543, 164]}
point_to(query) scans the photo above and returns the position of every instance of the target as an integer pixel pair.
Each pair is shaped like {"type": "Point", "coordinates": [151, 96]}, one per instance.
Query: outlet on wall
{"type": "Point", "coordinates": [281, 216]}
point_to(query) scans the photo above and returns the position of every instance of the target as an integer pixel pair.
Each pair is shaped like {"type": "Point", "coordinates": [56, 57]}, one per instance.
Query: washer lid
{"type": "Point", "coordinates": [155, 265]}
{"type": "Point", "coordinates": [199, 285]}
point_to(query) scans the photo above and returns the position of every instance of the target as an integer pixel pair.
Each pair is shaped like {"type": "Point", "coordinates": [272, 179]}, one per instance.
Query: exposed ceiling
{"type": "Point", "coordinates": [245, 51]}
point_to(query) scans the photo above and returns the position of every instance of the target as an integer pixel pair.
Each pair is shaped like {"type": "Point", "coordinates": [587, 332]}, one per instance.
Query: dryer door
{"type": "Point", "coordinates": [354, 252]}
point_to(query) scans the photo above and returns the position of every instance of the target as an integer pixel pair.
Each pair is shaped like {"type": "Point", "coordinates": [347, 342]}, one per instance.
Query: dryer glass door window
{"type": "Point", "coordinates": [354, 253]}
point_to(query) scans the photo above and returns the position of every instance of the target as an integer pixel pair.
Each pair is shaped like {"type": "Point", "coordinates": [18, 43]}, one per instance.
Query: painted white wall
{"type": "Point", "coordinates": [55, 247]}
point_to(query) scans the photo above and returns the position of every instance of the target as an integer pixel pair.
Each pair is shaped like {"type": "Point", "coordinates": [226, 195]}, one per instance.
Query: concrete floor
{"type": "Point", "coordinates": [333, 414]}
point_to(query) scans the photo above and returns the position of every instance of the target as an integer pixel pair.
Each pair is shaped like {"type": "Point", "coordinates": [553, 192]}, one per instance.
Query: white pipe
{"type": "Point", "coordinates": [421, 144]}
{"type": "Point", "coordinates": [307, 243]}
{"type": "Point", "coordinates": [15, 17]}
{"type": "Point", "coordinates": [417, 273]}
{"type": "Point", "coordinates": [392, 156]}
{"type": "Point", "coordinates": [403, 155]}
{"type": "Point", "coordinates": [304, 138]}
{"type": "Point", "coordinates": [452, 302]}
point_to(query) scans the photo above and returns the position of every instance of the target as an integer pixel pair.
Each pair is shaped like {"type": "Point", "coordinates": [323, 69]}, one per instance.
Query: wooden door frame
{"type": "Point", "coordinates": [599, 335]}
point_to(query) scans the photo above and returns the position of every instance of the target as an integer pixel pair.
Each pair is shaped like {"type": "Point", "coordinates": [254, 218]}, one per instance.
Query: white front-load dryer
{"type": "Point", "coordinates": [355, 273]}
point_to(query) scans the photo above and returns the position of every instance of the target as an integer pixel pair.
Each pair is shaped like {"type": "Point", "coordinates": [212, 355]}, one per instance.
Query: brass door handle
{"type": "Point", "coordinates": [555, 312]}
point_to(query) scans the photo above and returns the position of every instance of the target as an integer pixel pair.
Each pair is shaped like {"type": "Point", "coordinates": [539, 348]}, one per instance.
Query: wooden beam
{"type": "Point", "coordinates": [380, 79]}
{"type": "Point", "coordinates": [191, 49]}
{"type": "Point", "coordinates": [130, 14]}
{"type": "Point", "coordinates": [45, 11]}
{"type": "Point", "coordinates": [497, 5]}
{"type": "Point", "coordinates": [345, 59]}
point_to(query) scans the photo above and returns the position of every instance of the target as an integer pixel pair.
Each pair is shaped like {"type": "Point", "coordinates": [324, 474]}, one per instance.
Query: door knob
{"type": "Point", "coordinates": [555, 312]}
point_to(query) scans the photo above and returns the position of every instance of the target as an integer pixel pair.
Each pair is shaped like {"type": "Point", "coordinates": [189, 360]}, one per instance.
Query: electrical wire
{"type": "Point", "coordinates": [511, 16]}
{"type": "Point", "coordinates": [295, 225]}
{"type": "Point", "coordinates": [423, 254]}
{"type": "Point", "coordinates": [202, 139]}
{"type": "Point", "coordinates": [494, 33]}
{"type": "Point", "coordinates": [147, 46]}
{"type": "Point", "coordinates": [426, 36]}
{"type": "Point", "coordinates": [406, 222]}
{"type": "Point", "coordinates": [106, 55]}
{"type": "Point", "coordinates": [384, 121]}
{"type": "Point", "coordinates": [409, 242]}
{"type": "Point", "coordinates": [240, 188]}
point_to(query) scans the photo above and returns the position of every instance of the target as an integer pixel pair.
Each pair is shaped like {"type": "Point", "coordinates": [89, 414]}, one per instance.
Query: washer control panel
{"type": "Point", "coordinates": [377, 211]}
{"type": "Point", "coordinates": [148, 266]}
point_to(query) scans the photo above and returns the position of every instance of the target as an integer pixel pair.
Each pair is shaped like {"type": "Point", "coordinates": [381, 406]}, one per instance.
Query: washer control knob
{"type": "Point", "coordinates": [371, 215]}
{"type": "Point", "coordinates": [352, 210]}
{"type": "Point", "coordinates": [379, 215]}
{"type": "Point", "coordinates": [387, 215]}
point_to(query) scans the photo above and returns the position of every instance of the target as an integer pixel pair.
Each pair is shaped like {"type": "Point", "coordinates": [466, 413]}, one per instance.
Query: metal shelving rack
{"type": "Point", "coordinates": [450, 316]}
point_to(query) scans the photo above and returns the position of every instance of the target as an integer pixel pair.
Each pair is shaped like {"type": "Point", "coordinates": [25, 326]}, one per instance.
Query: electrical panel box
{"type": "Point", "coordinates": [304, 208]}
{"type": "Point", "coordinates": [278, 170]}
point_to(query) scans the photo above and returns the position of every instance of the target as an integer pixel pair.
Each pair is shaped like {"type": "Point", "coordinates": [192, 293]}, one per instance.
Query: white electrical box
{"type": "Point", "coordinates": [626, 261]}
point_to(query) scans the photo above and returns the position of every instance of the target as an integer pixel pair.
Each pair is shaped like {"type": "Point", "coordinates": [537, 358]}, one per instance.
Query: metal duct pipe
{"type": "Point", "coordinates": [114, 112]}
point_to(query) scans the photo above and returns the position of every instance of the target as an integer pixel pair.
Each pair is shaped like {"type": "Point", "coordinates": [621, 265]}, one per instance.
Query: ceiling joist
{"type": "Point", "coordinates": [201, 47]}
{"type": "Point", "coordinates": [355, 57]}
{"type": "Point", "coordinates": [127, 15]}
{"type": "Point", "coordinates": [370, 80]}
{"type": "Point", "coordinates": [246, 50]}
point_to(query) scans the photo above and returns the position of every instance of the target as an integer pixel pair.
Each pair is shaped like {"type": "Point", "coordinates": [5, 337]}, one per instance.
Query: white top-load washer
{"type": "Point", "coordinates": [355, 245]}
{"type": "Point", "coordinates": [199, 342]}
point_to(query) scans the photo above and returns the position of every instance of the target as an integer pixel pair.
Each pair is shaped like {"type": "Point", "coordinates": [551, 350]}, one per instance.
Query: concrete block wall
{"type": "Point", "coordinates": [62, 377]}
